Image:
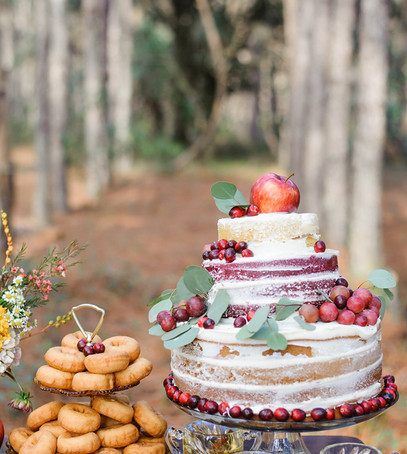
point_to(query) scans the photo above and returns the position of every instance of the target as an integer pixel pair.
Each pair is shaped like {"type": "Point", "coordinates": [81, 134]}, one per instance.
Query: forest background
{"type": "Point", "coordinates": [117, 116]}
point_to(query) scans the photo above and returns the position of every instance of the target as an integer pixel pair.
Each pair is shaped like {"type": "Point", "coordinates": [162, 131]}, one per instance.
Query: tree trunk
{"type": "Point", "coordinates": [96, 146]}
{"type": "Point", "coordinates": [335, 192]}
{"type": "Point", "coordinates": [58, 58]}
{"type": "Point", "coordinates": [41, 205]}
{"type": "Point", "coordinates": [120, 82]}
{"type": "Point", "coordinates": [365, 219]}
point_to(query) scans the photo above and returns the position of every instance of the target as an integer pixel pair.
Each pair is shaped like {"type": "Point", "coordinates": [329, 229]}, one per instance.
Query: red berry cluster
{"type": "Point", "coordinates": [240, 211]}
{"type": "Point", "coordinates": [90, 348]}
{"type": "Point", "coordinates": [386, 397]}
{"type": "Point", "coordinates": [347, 307]}
{"type": "Point", "coordinates": [227, 250]}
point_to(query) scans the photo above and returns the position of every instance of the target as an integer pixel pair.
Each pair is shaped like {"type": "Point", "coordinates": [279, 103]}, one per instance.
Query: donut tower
{"type": "Point", "coordinates": [84, 365]}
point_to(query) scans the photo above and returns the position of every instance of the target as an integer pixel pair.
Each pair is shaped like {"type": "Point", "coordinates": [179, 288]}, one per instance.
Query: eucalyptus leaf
{"type": "Point", "coordinates": [276, 341]}
{"type": "Point", "coordinates": [183, 339]}
{"type": "Point", "coordinates": [164, 305]}
{"type": "Point", "coordinates": [285, 307]}
{"type": "Point", "coordinates": [156, 330]}
{"type": "Point", "coordinates": [258, 319]}
{"type": "Point", "coordinates": [381, 279]}
{"type": "Point", "coordinates": [244, 333]}
{"type": "Point", "coordinates": [223, 190]}
{"type": "Point", "coordinates": [182, 291]}
{"type": "Point", "coordinates": [262, 333]}
{"type": "Point", "coordinates": [164, 295]}
{"type": "Point", "coordinates": [176, 332]}
{"type": "Point", "coordinates": [383, 306]}
{"type": "Point", "coordinates": [389, 294]}
{"type": "Point", "coordinates": [197, 280]}
{"type": "Point", "coordinates": [219, 306]}
{"type": "Point", "coordinates": [273, 325]}
{"type": "Point", "coordinates": [225, 205]}
{"type": "Point", "coordinates": [304, 324]}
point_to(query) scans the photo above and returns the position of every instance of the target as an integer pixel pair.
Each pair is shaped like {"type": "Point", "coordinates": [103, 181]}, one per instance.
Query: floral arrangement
{"type": "Point", "coordinates": [20, 292]}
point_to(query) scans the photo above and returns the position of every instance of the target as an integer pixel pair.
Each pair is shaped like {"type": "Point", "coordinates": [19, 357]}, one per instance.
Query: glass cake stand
{"type": "Point", "coordinates": [281, 437]}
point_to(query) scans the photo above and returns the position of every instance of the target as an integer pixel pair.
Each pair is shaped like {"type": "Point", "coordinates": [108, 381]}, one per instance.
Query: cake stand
{"type": "Point", "coordinates": [279, 437]}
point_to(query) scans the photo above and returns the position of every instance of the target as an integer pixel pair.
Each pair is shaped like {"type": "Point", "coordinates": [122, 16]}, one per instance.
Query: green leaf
{"type": "Point", "coordinates": [381, 279]}
{"type": "Point", "coordinates": [244, 333]}
{"type": "Point", "coordinates": [389, 294]}
{"type": "Point", "coordinates": [156, 330]}
{"type": "Point", "coordinates": [262, 333]}
{"type": "Point", "coordinates": [225, 205]}
{"type": "Point", "coordinates": [219, 306]}
{"type": "Point", "coordinates": [197, 280]}
{"type": "Point", "coordinates": [164, 295]}
{"type": "Point", "coordinates": [183, 339]}
{"type": "Point", "coordinates": [182, 292]}
{"type": "Point", "coordinates": [285, 307]}
{"type": "Point", "coordinates": [259, 317]}
{"type": "Point", "coordinates": [273, 325]}
{"type": "Point", "coordinates": [383, 306]}
{"type": "Point", "coordinates": [164, 305]}
{"type": "Point", "coordinates": [176, 332]}
{"type": "Point", "coordinates": [304, 324]}
{"type": "Point", "coordinates": [223, 190]}
{"type": "Point", "coordinates": [276, 341]}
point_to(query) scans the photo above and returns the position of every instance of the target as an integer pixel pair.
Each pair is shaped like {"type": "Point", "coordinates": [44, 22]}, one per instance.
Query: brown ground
{"type": "Point", "coordinates": [147, 229]}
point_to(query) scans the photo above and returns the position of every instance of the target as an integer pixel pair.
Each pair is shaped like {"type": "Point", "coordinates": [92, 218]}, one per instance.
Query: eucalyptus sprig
{"type": "Point", "coordinates": [227, 196]}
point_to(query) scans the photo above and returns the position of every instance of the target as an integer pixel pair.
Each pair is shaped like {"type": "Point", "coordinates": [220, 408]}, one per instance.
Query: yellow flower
{"type": "Point", "coordinates": [4, 327]}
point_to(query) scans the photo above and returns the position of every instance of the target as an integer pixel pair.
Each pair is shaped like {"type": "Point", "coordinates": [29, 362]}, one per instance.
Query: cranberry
{"type": "Point", "coordinates": [298, 415]}
{"type": "Point", "coordinates": [247, 413]}
{"type": "Point", "coordinates": [171, 391]}
{"type": "Point", "coordinates": [168, 381]}
{"type": "Point", "coordinates": [371, 316]}
{"type": "Point", "coordinates": [98, 347]}
{"type": "Point", "coordinates": [88, 350]}
{"type": "Point", "coordinates": [390, 391]}
{"type": "Point", "coordinates": [214, 246]}
{"type": "Point", "coordinates": [319, 246]}
{"type": "Point", "coordinates": [389, 378]}
{"type": "Point", "coordinates": [328, 312]}
{"type": "Point", "coordinates": [184, 398]}
{"type": "Point", "coordinates": [355, 304]}
{"type": "Point", "coordinates": [181, 315]}
{"type": "Point", "coordinates": [250, 315]}
{"type": "Point", "coordinates": [266, 414]}
{"type": "Point", "coordinates": [201, 321]}
{"type": "Point", "coordinates": [383, 403]}
{"type": "Point", "coordinates": [221, 255]}
{"type": "Point", "coordinates": [281, 414]}
{"type": "Point", "coordinates": [232, 243]}
{"type": "Point", "coordinates": [388, 397]}
{"type": "Point", "coordinates": [253, 210]}
{"type": "Point", "coordinates": [235, 411]}
{"type": "Point", "coordinates": [176, 395]}
{"type": "Point", "coordinates": [361, 320]}
{"type": "Point", "coordinates": [237, 212]}
{"type": "Point", "coordinates": [364, 294]}
{"type": "Point", "coordinates": [208, 324]}
{"type": "Point", "coordinates": [240, 246]}
{"type": "Point", "coordinates": [367, 406]}
{"type": "Point", "coordinates": [247, 253]}
{"type": "Point", "coordinates": [309, 313]}
{"type": "Point", "coordinates": [330, 413]}
{"type": "Point", "coordinates": [222, 244]}
{"type": "Point", "coordinates": [230, 255]}
{"type": "Point", "coordinates": [391, 385]}
{"type": "Point", "coordinates": [339, 290]}
{"type": "Point", "coordinates": [346, 317]}
{"type": "Point", "coordinates": [346, 410]}
{"type": "Point", "coordinates": [195, 306]}
{"type": "Point", "coordinates": [340, 301]}
{"type": "Point", "coordinates": [211, 407]}
{"type": "Point", "coordinates": [341, 281]}
{"type": "Point", "coordinates": [239, 322]}
{"type": "Point", "coordinates": [374, 402]}
{"type": "Point", "coordinates": [206, 255]}
{"type": "Point", "coordinates": [214, 254]}
{"type": "Point", "coordinates": [82, 343]}
{"type": "Point", "coordinates": [193, 401]}
{"type": "Point", "coordinates": [318, 414]}
{"type": "Point", "coordinates": [223, 408]}
{"type": "Point", "coordinates": [359, 411]}
{"type": "Point", "coordinates": [168, 323]}
{"type": "Point", "coordinates": [201, 404]}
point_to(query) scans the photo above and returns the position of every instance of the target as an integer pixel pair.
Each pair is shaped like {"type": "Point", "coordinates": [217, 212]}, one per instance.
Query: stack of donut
{"type": "Point", "coordinates": [69, 369]}
{"type": "Point", "coordinates": [109, 425]}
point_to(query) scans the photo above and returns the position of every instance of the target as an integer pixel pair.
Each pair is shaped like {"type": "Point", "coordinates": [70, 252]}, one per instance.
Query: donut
{"type": "Point", "coordinates": [79, 418]}
{"type": "Point", "coordinates": [86, 381]}
{"type": "Point", "coordinates": [149, 419]}
{"type": "Point", "coordinates": [123, 343]}
{"type": "Point", "coordinates": [143, 448]}
{"type": "Point", "coordinates": [108, 451]}
{"type": "Point", "coordinates": [118, 436]}
{"type": "Point", "coordinates": [148, 439]}
{"type": "Point", "coordinates": [107, 362]}
{"type": "Point", "coordinates": [107, 422]}
{"type": "Point", "coordinates": [54, 427]}
{"type": "Point", "coordinates": [43, 414]}
{"type": "Point", "coordinates": [71, 340]}
{"type": "Point", "coordinates": [135, 372]}
{"type": "Point", "coordinates": [113, 408]}
{"type": "Point", "coordinates": [41, 442]}
{"type": "Point", "coordinates": [69, 443]}
{"type": "Point", "coordinates": [66, 359]}
{"type": "Point", "coordinates": [54, 378]}
{"type": "Point", "coordinates": [18, 436]}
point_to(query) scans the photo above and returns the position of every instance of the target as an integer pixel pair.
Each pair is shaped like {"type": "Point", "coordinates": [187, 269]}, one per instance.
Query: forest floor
{"type": "Point", "coordinates": [147, 229]}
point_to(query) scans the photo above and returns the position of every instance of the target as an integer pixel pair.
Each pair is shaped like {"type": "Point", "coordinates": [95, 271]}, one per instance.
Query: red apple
{"type": "Point", "coordinates": [273, 193]}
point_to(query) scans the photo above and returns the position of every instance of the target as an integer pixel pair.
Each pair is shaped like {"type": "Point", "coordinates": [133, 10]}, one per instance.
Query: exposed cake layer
{"type": "Point", "coordinates": [327, 367]}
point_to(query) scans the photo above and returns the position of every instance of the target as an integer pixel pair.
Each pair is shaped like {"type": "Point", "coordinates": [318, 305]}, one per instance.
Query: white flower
{"type": "Point", "coordinates": [10, 354]}
{"type": "Point", "coordinates": [18, 280]}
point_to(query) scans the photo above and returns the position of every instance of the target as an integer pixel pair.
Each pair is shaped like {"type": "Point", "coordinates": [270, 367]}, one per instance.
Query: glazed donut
{"type": "Point", "coordinates": [54, 378]}
{"type": "Point", "coordinates": [68, 443]}
{"type": "Point", "coordinates": [66, 359]}
{"type": "Point", "coordinates": [86, 381]}
{"type": "Point", "coordinates": [71, 340]}
{"type": "Point", "coordinates": [149, 419]}
{"type": "Point", "coordinates": [113, 408]}
{"type": "Point", "coordinates": [123, 343]}
{"type": "Point", "coordinates": [43, 414]}
{"type": "Point", "coordinates": [118, 436]}
{"type": "Point", "coordinates": [107, 362]}
{"type": "Point", "coordinates": [41, 442]}
{"type": "Point", "coordinates": [18, 436]}
{"type": "Point", "coordinates": [135, 372]}
{"type": "Point", "coordinates": [143, 448]}
{"type": "Point", "coordinates": [54, 427]}
{"type": "Point", "coordinates": [79, 418]}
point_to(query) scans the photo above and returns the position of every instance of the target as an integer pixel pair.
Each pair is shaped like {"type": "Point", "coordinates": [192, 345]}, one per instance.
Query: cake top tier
{"type": "Point", "coordinates": [269, 226]}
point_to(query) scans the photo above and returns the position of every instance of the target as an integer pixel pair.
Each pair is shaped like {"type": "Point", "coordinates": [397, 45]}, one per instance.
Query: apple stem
{"type": "Point", "coordinates": [288, 178]}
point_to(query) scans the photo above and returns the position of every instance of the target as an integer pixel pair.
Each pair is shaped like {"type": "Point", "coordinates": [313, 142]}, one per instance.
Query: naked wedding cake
{"type": "Point", "coordinates": [266, 327]}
